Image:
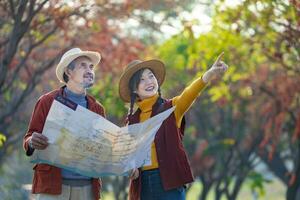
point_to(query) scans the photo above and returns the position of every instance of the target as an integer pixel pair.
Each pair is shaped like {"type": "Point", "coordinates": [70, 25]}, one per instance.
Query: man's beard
{"type": "Point", "coordinates": [87, 85]}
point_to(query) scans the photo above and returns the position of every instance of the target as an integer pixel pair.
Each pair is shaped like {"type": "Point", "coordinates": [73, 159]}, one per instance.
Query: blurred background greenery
{"type": "Point", "coordinates": [242, 134]}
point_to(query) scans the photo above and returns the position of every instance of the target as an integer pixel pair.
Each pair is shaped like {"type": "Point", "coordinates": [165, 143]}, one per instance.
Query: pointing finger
{"type": "Point", "coordinates": [220, 57]}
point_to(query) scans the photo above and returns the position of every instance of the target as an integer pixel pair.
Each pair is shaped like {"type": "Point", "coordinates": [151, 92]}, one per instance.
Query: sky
{"type": "Point", "coordinates": [199, 17]}
{"type": "Point", "coordinates": [201, 14]}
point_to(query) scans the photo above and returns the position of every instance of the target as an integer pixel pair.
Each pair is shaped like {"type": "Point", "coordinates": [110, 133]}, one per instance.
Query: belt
{"type": "Point", "coordinates": [149, 170]}
{"type": "Point", "coordinates": [77, 182]}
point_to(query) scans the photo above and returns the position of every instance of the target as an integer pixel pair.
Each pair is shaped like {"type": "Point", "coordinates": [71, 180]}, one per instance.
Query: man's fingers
{"type": "Point", "coordinates": [40, 136]}
{"type": "Point", "coordinates": [39, 142]}
{"type": "Point", "coordinates": [219, 58]}
{"type": "Point", "coordinates": [39, 146]}
{"type": "Point", "coordinates": [42, 141]}
{"type": "Point", "coordinates": [38, 139]}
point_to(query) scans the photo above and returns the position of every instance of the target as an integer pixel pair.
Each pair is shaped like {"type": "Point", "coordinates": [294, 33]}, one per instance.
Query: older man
{"type": "Point", "coordinates": [76, 71]}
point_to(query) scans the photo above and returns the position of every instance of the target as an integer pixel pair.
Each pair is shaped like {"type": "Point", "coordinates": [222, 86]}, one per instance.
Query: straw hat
{"type": "Point", "coordinates": [71, 55]}
{"type": "Point", "coordinates": [156, 66]}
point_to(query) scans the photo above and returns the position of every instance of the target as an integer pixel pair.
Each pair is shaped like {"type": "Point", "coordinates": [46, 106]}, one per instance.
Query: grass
{"type": "Point", "coordinates": [274, 190]}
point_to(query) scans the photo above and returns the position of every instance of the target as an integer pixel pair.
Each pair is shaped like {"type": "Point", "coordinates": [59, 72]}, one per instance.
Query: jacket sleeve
{"type": "Point", "coordinates": [37, 122]}
{"type": "Point", "coordinates": [184, 101]}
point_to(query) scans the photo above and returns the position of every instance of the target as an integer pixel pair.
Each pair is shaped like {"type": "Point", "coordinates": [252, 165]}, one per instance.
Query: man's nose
{"type": "Point", "coordinates": [89, 70]}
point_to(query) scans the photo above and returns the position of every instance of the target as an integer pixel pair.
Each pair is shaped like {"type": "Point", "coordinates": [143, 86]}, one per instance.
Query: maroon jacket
{"type": "Point", "coordinates": [47, 178]}
{"type": "Point", "coordinates": [173, 163]}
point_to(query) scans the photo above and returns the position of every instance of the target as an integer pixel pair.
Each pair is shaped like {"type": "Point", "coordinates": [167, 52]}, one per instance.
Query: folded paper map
{"type": "Point", "coordinates": [84, 142]}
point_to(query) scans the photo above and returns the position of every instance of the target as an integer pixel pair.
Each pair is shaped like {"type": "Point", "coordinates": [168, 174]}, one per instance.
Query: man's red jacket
{"type": "Point", "coordinates": [47, 179]}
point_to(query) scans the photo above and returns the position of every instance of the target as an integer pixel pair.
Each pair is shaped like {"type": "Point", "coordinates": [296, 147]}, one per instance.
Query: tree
{"type": "Point", "coordinates": [217, 138]}
{"type": "Point", "coordinates": [272, 31]}
{"type": "Point", "coordinates": [26, 28]}
{"type": "Point", "coordinates": [258, 107]}
{"type": "Point", "coordinates": [34, 34]}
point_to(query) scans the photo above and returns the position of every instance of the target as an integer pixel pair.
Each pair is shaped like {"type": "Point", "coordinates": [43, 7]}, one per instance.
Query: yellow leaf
{"type": "Point", "coordinates": [2, 139]}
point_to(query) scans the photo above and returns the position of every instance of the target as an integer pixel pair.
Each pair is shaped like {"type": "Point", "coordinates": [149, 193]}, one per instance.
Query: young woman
{"type": "Point", "coordinates": [169, 171]}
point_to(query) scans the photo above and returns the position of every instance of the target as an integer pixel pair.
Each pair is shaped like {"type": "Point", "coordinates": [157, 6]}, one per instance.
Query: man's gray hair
{"type": "Point", "coordinates": [70, 66]}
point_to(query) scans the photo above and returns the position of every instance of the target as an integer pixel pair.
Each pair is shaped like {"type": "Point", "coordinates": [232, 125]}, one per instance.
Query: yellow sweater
{"type": "Point", "coordinates": [182, 103]}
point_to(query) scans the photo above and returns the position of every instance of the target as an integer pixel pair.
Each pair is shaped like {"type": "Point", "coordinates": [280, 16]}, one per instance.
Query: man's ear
{"type": "Point", "coordinates": [67, 71]}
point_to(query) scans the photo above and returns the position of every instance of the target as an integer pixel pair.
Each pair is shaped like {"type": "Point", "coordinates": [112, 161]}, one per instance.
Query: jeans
{"type": "Point", "coordinates": [152, 188]}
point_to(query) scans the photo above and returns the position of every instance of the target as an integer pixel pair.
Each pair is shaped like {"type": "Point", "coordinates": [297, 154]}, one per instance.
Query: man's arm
{"type": "Point", "coordinates": [36, 126]}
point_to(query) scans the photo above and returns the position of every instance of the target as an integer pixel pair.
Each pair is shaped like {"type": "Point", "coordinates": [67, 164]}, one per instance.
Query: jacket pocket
{"type": "Point", "coordinates": [45, 179]}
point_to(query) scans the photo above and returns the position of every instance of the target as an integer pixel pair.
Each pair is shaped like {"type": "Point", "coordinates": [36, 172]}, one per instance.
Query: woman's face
{"type": "Point", "coordinates": [148, 85]}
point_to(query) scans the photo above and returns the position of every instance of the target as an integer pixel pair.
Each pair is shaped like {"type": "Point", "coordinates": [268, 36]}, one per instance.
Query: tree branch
{"type": "Point", "coordinates": [12, 8]}
{"type": "Point", "coordinates": [21, 10]}
{"type": "Point", "coordinates": [29, 88]}
{"type": "Point", "coordinates": [20, 28]}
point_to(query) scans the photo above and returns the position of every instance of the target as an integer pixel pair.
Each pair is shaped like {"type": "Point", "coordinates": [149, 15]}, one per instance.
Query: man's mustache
{"type": "Point", "coordinates": [88, 75]}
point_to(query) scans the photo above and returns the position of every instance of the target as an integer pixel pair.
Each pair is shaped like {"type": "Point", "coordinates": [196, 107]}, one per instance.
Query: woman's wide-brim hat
{"type": "Point", "coordinates": [71, 55]}
{"type": "Point", "coordinates": [156, 66]}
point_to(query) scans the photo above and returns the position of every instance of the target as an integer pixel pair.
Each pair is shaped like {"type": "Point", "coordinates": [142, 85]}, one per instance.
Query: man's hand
{"type": "Point", "coordinates": [134, 174]}
{"type": "Point", "coordinates": [38, 141]}
{"type": "Point", "coordinates": [217, 69]}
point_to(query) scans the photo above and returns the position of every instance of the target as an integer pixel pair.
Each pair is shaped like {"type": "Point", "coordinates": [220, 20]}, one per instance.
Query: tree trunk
{"type": "Point", "coordinates": [205, 190]}
{"type": "Point", "coordinates": [237, 187]}
{"type": "Point", "coordinates": [293, 190]}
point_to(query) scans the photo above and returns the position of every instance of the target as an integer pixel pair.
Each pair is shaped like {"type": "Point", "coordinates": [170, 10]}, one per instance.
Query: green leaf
{"type": "Point", "coordinates": [2, 139]}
